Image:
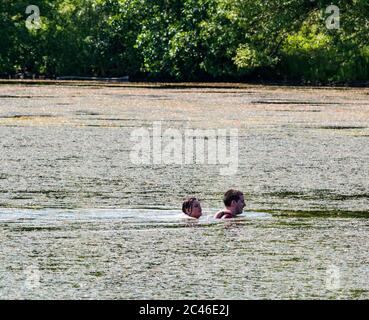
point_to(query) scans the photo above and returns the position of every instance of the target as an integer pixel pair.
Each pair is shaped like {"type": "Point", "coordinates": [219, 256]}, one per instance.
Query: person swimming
{"type": "Point", "coordinates": [234, 203]}
{"type": "Point", "coordinates": [192, 208]}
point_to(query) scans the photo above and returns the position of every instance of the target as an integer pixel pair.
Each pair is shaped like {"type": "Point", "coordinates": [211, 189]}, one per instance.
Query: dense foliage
{"type": "Point", "coordinates": [188, 39]}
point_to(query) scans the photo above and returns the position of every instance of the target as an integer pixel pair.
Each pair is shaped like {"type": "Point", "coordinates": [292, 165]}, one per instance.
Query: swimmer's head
{"type": "Point", "coordinates": [234, 201]}
{"type": "Point", "coordinates": [192, 207]}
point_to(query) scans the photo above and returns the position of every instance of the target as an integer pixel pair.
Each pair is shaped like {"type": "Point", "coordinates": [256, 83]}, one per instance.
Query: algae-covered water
{"type": "Point", "coordinates": [79, 220]}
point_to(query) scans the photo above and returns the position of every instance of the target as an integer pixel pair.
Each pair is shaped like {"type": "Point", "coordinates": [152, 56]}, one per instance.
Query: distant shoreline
{"type": "Point", "coordinates": [181, 85]}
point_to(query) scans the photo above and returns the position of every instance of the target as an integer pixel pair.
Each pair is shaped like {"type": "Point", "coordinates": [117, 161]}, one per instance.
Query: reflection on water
{"type": "Point", "coordinates": [303, 157]}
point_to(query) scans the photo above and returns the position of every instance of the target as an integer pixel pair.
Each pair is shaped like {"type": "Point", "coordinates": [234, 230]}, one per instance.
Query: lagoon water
{"type": "Point", "coordinates": [79, 220]}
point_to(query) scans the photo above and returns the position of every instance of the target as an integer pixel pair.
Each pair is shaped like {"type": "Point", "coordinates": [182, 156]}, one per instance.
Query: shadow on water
{"type": "Point", "coordinates": [319, 213]}
{"type": "Point", "coordinates": [297, 102]}
{"type": "Point", "coordinates": [28, 116]}
{"type": "Point", "coordinates": [338, 127]}
{"type": "Point", "coordinates": [317, 194]}
{"type": "Point", "coordinates": [25, 97]}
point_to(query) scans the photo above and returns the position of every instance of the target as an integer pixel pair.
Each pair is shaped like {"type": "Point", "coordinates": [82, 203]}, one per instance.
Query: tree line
{"type": "Point", "coordinates": [188, 40]}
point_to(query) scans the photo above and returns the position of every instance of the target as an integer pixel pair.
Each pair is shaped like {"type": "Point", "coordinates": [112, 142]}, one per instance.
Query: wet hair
{"type": "Point", "coordinates": [187, 204]}
{"type": "Point", "coordinates": [231, 195]}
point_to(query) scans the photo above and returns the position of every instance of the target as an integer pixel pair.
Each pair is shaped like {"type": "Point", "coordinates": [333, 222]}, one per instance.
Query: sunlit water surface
{"type": "Point", "coordinates": [79, 220]}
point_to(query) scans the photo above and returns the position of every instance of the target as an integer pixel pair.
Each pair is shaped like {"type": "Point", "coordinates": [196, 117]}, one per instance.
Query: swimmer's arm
{"type": "Point", "coordinates": [219, 215]}
{"type": "Point", "coordinates": [227, 216]}
{"type": "Point", "coordinates": [223, 215]}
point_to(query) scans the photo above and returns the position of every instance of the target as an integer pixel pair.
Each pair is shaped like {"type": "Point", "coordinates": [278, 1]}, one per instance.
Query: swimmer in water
{"type": "Point", "coordinates": [192, 208]}
{"type": "Point", "coordinates": [234, 203]}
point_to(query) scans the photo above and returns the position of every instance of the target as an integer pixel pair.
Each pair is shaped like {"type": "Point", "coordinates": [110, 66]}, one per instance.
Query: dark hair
{"type": "Point", "coordinates": [231, 195]}
{"type": "Point", "coordinates": [187, 204]}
